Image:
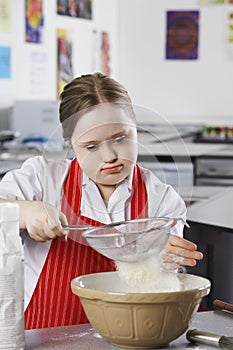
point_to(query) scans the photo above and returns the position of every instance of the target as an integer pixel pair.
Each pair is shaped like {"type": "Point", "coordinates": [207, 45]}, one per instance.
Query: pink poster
{"type": "Point", "coordinates": [101, 52]}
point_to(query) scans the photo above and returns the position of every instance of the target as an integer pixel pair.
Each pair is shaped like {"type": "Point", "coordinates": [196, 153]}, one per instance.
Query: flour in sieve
{"type": "Point", "coordinates": [147, 276]}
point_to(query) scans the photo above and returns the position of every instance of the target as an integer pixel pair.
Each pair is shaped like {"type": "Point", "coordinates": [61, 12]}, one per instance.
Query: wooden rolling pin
{"type": "Point", "coordinates": [223, 305]}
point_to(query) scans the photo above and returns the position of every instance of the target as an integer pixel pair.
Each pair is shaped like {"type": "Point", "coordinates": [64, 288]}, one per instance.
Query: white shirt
{"type": "Point", "coordinates": [41, 179]}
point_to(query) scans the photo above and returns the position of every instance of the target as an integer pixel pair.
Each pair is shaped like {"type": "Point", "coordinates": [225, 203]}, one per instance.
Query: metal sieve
{"type": "Point", "coordinates": [131, 240]}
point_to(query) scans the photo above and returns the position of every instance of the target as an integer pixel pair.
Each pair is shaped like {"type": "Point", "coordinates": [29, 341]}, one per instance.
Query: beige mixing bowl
{"type": "Point", "coordinates": [138, 320]}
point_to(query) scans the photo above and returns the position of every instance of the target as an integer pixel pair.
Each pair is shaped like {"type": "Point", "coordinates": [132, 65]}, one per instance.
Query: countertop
{"type": "Point", "coordinates": [181, 149]}
{"type": "Point", "coordinates": [215, 211]}
{"type": "Point", "coordinates": [192, 194]}
{"type": "Point", "coordinates": [84, 337]}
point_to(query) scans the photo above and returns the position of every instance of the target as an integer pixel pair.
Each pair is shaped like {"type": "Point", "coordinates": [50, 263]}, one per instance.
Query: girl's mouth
{"type": "Point", "coordinates": [112, 169]}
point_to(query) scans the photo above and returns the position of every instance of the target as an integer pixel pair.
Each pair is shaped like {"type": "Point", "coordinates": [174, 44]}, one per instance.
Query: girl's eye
{"type": "Point", "coordinates": [119, 139]}
{"type": "Point", "coordinates": [92, 148]}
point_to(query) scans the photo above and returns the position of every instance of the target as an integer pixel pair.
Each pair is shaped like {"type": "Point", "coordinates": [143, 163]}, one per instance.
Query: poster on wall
{"type": "Point", "coordinates": [34, 21]}
{"type": "Point", "coordinates": [5, 62]}
{"type": "Point", "coordinates": [182, 35]}
{"type": "Point", "coordinates": [5, 23]}
{"type": "Point", "coordinates": [230, 34]}
{"type": "Point", "coordinates": [213, 2]}
{"type": "Point", "coordinates": [101, 52]}
{"type": "Point", "coordinates": [75, 8]}
{"type": "Point", "coordinates": [38, 74]}
{"type": "Point", "coordinates": [64, 60]}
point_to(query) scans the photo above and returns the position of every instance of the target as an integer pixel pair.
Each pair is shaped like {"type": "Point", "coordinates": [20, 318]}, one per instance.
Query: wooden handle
{"type": "Point", "coordinates": [223, 305]}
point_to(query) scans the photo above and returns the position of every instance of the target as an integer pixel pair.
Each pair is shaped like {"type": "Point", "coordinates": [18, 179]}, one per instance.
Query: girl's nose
{"type": "Point", "coordinates": [109, 154]}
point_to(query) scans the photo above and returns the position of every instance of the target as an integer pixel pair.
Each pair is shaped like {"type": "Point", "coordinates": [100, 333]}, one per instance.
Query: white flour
{"type": "Point", "coordinates": [147, 276]}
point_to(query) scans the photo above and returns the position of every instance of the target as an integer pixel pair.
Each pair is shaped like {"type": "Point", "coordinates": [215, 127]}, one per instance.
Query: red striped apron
{"type": "Point", "coordinates": [53, 303]}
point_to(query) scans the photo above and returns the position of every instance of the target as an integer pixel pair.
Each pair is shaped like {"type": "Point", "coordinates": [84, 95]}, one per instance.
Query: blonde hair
{"type": "Point", "coordinates": [86, 92]}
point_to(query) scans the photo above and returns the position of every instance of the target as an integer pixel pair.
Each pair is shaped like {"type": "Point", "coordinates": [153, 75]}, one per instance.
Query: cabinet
{"type": "Point", "coordinates": [212, 170]}
{"type": "Point", "coordinates": [175, 174]}
{"type": "Point", "coordinates": [216, 243]}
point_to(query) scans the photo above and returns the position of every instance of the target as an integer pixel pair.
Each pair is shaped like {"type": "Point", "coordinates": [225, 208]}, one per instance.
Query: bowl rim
{"type": "Point", "coordinates": [144, 297]}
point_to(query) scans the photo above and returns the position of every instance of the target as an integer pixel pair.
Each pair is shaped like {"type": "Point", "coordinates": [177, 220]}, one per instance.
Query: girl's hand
{"type": "Point", "coordinates": [41, 220]}
{"type": "Point", "coordinates": [179, 251]}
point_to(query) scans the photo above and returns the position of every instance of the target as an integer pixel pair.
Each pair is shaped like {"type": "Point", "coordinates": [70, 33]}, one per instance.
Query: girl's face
{"type": "Point", "coordinates": [105, 144]}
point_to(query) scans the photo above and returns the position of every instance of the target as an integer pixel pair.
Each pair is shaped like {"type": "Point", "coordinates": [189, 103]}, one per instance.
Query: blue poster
{"type": "Point", "coordinates": [5, 62]}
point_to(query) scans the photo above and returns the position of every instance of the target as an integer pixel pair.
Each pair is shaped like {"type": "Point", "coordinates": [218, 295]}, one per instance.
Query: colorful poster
{"type": "Point", "coordinates": [34, 21]}
{"type": "Point", "coordinates": [64, 59]}
{"type": "Point", "coordinates": [230, 27]}
{"type": "Point", "coordinates": [5, 62]}
{"type": "Point", "coordinates": [182, 35]}
{"type": "Point", "coordinates": [230, 35]}
{"type": "Point", "coordinates": [75, 8]}
{"type": "Point", "coordinates": [213, 2]}
{"type": "Point", "coordinates": [101, 52]}
{"type": "Point", "coordinates": [5, 23]}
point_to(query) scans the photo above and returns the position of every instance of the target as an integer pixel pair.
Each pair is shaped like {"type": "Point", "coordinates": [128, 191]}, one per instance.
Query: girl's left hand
{"type": "Point", "coordinates": [179, 251]}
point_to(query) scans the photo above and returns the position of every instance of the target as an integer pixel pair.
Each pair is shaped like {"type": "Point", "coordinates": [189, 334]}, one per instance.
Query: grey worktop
{"type": "Point", "coordinates": [215, 211]}
{"type": "Point", "coordinates": [191, 194]}
{"type": "Point", "coordinates": [183, 149]}
{"type": "Point", "coordinates": [84, 337]}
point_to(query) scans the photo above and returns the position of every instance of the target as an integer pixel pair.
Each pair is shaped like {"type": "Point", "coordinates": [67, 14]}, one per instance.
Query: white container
{"type": "Point", "coordinates": [11, 279]}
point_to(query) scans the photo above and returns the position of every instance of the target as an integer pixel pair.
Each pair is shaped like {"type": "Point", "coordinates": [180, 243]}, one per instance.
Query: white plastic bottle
{"type": "Point", "coordinates": [11, 279]}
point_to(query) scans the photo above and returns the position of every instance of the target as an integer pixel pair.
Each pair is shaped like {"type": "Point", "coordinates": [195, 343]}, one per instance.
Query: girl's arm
{"type": "Point", "coordinates": [41, 220]}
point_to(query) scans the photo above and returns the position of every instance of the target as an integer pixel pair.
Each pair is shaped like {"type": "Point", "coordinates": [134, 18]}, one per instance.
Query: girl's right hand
{"type": "Point", "coordinates": [41, 220]}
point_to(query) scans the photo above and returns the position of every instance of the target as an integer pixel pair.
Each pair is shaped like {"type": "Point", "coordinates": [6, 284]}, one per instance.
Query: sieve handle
{"type": "Point", "coordinates": [76, 227]}
{"type": "Point", "coordinates": [85, 227]}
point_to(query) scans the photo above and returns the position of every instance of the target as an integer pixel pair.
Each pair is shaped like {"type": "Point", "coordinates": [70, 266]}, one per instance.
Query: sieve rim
{"type": "Point", "coordinates": [91, 232]}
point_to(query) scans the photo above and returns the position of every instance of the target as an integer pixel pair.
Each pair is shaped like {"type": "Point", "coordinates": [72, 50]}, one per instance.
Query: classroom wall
{"type": "Point", "coordinates": [181, 90]}
{"type": "Point", "coordinates": [194, 91]}
{"type": "Point", "coordinates": [19, 86]}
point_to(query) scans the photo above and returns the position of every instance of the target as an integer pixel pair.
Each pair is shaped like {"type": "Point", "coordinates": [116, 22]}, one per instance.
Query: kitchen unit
{"type": "Point", "coordinates": [174, 155]}
{"type": "Point", "coordinates": [213, 170]}
{"type": "Point", "coordinates": [190, 157]}
{"type": "Point", "coordinates": [209, 199]}
{"type": "Point", "coordinates": [211, 227]}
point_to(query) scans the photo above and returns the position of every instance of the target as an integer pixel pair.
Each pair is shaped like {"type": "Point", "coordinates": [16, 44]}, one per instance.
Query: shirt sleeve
{"type": "Point", "coordinates": [38, 179]}
{"type": "Point", "coordinates": [164, 201]}
{"type": "Point", "coordinates": [23, 183]}
{"type": "Point", "coordinates": [173, 206]}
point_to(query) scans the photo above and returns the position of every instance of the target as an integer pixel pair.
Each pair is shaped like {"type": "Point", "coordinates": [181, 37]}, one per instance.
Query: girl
{"type": "Point", "coordinates": [102, 184]}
